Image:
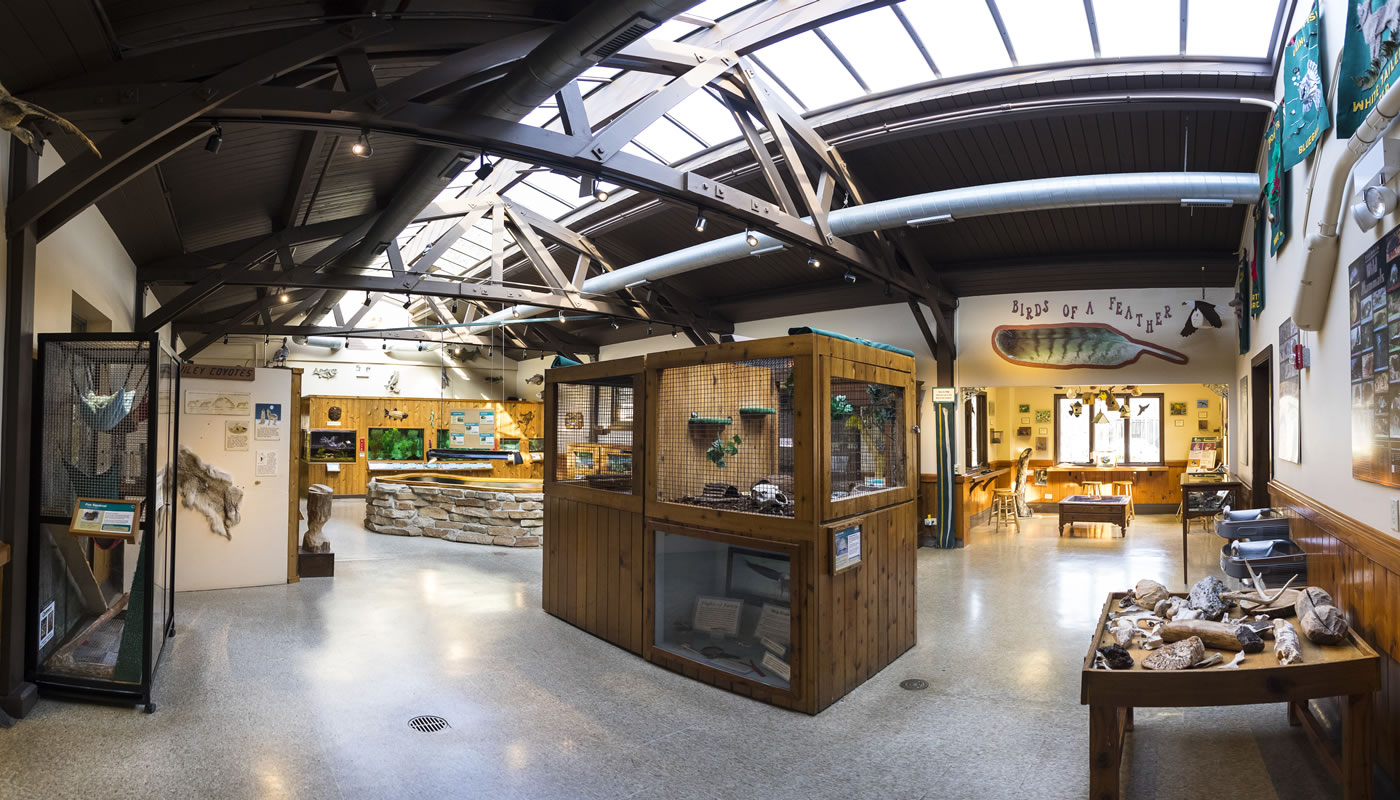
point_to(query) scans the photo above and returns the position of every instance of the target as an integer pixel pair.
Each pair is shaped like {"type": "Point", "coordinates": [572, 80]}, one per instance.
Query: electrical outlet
{"type": "Point", "coordinates": [1395, 515]}
{"type": "Point", "coordinates": [1048, 496]}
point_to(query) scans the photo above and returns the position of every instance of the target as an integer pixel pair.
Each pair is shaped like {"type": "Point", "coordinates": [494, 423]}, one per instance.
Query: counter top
{"type": "Point", "coordinates": [1194, 479]}
{"type": "Point", "coordinates": [981, 476]}
{"type": "Point", "coordinates": [1086, 468]}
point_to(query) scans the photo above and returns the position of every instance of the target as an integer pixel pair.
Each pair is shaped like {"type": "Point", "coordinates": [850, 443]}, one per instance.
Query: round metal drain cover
{"type": "Point", "coordinates": [914, 684]}
{"type": "Point", "coordinates": [428, 724]}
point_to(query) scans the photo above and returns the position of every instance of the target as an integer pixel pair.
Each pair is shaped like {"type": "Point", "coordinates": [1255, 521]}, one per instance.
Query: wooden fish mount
{"type": "Point", "coordinates": [1073, 345]}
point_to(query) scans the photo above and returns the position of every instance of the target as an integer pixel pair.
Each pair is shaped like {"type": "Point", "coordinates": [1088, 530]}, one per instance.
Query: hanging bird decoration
{"type": "Point", "coordinates": [1202, 313]}
{"type": "Point", "coordinates": [23, 119]}
{"type": "Point", "coordinates": [536, 379]}
{"type": "Point", "coordinates": [1142, 409]}
{"type": "Point", "coordinates": [1076, 408]}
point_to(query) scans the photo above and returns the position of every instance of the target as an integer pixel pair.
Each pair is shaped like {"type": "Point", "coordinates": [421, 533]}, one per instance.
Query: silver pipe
{"type": "Point", "coordinates": [1076, 191]}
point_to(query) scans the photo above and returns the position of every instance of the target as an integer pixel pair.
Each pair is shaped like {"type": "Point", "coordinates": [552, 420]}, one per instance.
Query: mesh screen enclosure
{"type": "Point", "coordinates": [725, 436]}
{"type": "Point", "coordinates": [593, 433]}
{"type": "Point", "coordinates": [867, 437]}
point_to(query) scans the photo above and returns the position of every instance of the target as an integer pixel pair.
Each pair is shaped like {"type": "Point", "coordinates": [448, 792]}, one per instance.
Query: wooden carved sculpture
{"type": "Point", "coordinates": [1022, 508]}
{"type": "Point", "coordinates": [318, 510]}
{"type": "Point", "coordinates": [22, 120]}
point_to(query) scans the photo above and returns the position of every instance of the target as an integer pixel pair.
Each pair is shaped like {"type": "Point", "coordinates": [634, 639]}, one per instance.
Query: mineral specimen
{"type": "Point", "coordinates": [1205, 598]}
{"type": "Point", "coordinates": [1177, 655]}
{"type": "Point", "coordinates": [1250, 641]}
{"type": "Point", "coordinates": [1117, 657]}
{"type": "Point", "coordinates": [1324, 624]}
{"type": "Point", "coordinates": [1147, 593]}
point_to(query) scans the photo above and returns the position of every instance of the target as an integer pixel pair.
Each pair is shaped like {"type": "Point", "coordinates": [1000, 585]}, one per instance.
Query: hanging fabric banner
{"type": "Point", "coordinates": [1277, 186]}
{"type": "Point", "coordinates": [1304, 106]}
{"type": "Point", "coordinates": [1241, 295]}
{"type": "Point", "coordinates": [1369, 57]}
{"type": "Point", "coordinates": [944, 441]}
{"type": "Point", "coordinates": [1256, 272]}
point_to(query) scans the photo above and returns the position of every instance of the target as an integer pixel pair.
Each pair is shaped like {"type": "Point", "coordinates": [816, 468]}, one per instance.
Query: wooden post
{"type": "Point", "coordinates": [1105, 751]}
{"type": "Point", "coordinates": [17, 697]}
{"type": "Point", "coordinates": [1356, 747]}
{"type": "Point", "coordinates": [293, 410]}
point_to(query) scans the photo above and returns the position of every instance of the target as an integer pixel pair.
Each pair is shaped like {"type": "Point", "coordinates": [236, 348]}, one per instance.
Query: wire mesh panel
{"type": "Point", "coordinates": [593, 433]}
{"type": "Point", "coordinates": [724, 436]}
{"type": "Point", "coordinates": [868, 452]}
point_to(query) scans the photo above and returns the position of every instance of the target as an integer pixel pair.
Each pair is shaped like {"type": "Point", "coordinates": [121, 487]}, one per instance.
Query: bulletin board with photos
{"type": "Point", "coordinates": [1373, 280]}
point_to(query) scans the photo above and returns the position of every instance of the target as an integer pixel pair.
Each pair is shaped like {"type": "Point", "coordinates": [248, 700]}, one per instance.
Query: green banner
{"type": "Point", "coordinates": [1241, 293]}
{"type": "Point", "coordinates": [1277, 185]}
{"type": "Point", "coordinates": [1304, 106]}
{"type": "Point", "coordinates": [1369, 56]}
{"type": "Point", "coordinates": [1256, 272]}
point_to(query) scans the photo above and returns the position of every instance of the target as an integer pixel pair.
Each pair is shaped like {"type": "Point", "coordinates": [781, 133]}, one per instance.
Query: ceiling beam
{"type": "Point", "coordinates": [185, 267]}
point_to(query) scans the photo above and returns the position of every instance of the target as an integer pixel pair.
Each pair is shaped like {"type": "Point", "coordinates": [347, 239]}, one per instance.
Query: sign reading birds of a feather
{"type": "Point", "coordinates": [1305, 116]}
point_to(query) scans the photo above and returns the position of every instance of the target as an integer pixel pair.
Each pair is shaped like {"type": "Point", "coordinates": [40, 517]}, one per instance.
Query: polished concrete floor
{"type": "Point", "coordinates": [306, 690]}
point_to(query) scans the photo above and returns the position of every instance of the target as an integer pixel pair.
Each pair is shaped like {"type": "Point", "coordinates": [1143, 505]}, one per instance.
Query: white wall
{"type": "Point", "coordinates": [1325, 471]}
{"type": "Point", "coordinates": [256, 555]}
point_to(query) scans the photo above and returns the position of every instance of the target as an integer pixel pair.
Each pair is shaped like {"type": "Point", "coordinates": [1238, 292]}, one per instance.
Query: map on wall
{"type": "Point", "coordinates": [1290, 416]}
{"type": "Point", "coordinates": [1374, 298]}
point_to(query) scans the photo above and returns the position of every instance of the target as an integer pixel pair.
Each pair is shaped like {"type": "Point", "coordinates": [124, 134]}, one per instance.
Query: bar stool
{"type": "Point", "coordinates": [1125, 489]}
{"type": "Point", "coordinates": [1004, 508]}
{"type": "Point", "coordinates": [1092, 488]}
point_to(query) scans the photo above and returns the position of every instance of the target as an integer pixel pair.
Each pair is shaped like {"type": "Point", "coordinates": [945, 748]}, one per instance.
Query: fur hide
{"type": "Point", "coordinates": [210, 491]}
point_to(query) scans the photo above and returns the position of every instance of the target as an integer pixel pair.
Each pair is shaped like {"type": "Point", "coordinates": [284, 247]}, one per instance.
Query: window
{"type": "Point", "coordinates": [975, 423]}
{"type": "Point", "coordinates": [1132, 439]}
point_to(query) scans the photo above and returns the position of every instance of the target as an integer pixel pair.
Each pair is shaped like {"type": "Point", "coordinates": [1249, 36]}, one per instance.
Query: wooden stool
{"type": "Point", "coordinates": [1004, 508]}
{"type": "Point", "coordinates": [1092, 488]}
{"type": "Point", "coordinates": [1125, 489]}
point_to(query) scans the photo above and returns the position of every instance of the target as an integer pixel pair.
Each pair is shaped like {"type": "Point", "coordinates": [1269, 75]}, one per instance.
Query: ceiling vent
{"type": "Point", "coordinates": [619, 37]}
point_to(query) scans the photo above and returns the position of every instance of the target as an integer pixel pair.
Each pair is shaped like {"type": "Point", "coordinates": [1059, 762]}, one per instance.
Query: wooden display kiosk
{"type": "Point", "coordinates": [765, 541]}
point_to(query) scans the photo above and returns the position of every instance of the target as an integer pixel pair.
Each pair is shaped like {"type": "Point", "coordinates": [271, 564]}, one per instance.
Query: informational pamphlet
{"type": "Point", "coordinates": [774, 624]}
{"type": "Point", "coordinates": [718, 615]}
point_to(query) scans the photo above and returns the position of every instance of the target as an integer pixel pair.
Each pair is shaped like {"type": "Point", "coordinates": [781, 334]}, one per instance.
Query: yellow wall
{"type": "Point", "coordinates": [1004, 417]}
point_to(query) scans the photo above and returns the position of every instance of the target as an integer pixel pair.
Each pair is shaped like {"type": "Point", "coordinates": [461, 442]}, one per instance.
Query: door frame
{"type": "Point", "coordinates": [1261, 424]}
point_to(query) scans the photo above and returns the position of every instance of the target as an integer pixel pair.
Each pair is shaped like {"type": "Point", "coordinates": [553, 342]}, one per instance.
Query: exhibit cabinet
{"type": "Point", "coordinates": [742, 513]}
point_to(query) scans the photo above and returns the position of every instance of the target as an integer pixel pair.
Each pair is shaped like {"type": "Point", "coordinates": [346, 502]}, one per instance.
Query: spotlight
{"type": "Point", "coordinates": [751, 237]}
{"type": "Point", "coordinates": [594, 187]}
{"type": "Point", "coordinates": [362, 147]}
{"type": "Point", "coordinates": [515, 312]}
{"type": "Point", "coordinates": [383, 344]}
{"type": "Point", "coordinates": [454, 307]}
{"type": "Point", "coordinates": [367, 300]}
{"type": "Point", "coordinates": [849, 276]}
{"type": "Point", "coordinates": [612, 323]}
{"type": "Point", "coordinates": [674, 332]}
{"type": "Point", "coordinates": [561, 317]}
{"type": "Point", "coordinates": [1376, 203]}
{"type": "Point", "coordinates": [407, 301]}
{"type": "Point", "coordinates": [812, 260]}
{"type": "Point", "coordinates": [215, 140]}
{"type": "Point", "coordinates": [700, 222]}
{"type": "Point", "coordinates": [484, 171]}
{"type": "Point", "coordinates": [648, 329]}
{"type": "Point", "coordinates": [283, 296]}
{"type": "Point", "coordinates": [225, 340]}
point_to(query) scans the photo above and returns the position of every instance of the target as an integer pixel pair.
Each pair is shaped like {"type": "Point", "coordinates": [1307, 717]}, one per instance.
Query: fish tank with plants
{"type": "Point", "coordinates": [593, 418]}
{"type": "Point", "coordinates": [725, 606]}
{"type": "Point", "coordinates": [868, 449]}
{"type": "Point", "coordinates": [725, 436]}
{"type": "Point", "coordinates": [395, 444]}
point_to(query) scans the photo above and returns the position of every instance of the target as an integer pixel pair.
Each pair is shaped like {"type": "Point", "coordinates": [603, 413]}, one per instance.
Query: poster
{"type": "Point", "coordinates": [1369, 58]}
{"type": "Point", "coordinates": [1289, 426]}
{"type": "Point", "coordinates": [267, 421]}
{"type": "Point", "coordinates": [266, 466]}
{"type": "Point", "coordinates": [229, 404]}
{"type": "Point", "coordinates": [1373, 281]}
{"type": "Point", "coordinates": [1242, 292]}
{"type": "Point", "coordinates": [1304, 106]}
{"type": "Point", "coordinates": [235, 435]}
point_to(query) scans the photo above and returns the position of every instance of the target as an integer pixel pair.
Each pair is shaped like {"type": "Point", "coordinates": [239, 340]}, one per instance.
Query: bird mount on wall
{"type": "Point", "coordinates": [23, 121]}
{"type": "Point", "coordinates": [392, 385]}
{"type": "Point", "coordinates": [1202, 314]}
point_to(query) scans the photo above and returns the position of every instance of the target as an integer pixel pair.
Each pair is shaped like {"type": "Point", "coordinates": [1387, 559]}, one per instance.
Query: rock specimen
{"type": "Point", "coordinates": [1147, 593]}
{"type": "Point", "coordinates": [210, 491]}
{"type": "Point", "coordinates": [1310, 598]}
{"type": "Point", "coordinates": [1205, 598]}
{"type": "Point", "coordinates": [318, 510]}
{"type": "Point", "coordinates": [1213, 634]}
{"type": "Point", "coordinates": [1250, 641]}
{"type": "Point", "coordinates": [1116, 657]}
{"type": "Point", "coordinates": [1177, 655]}
{"type": "Point", "coordinates": [1167, 608]}
{"type": "Point", "coordinates": [1320, 621]}
{"type": "Point", "coordinates": [1286, 648]}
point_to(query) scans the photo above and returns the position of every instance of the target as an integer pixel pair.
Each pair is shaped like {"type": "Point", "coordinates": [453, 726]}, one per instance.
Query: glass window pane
{"type": "Point", "coordinates": [716, 9]}
{"type": "Point", "coordinates": [666, 140]}
{"type": "Point", "coordinates": [670, 30]}
{"type": "Point", "coordinates": [880, 50]}
{"type": "Point", "coordinates": [1073, 433]}
{"type": "Point", "coordinates": [1108, 434]}
{"type": "Point", "coordinates": [1138, 27]}
{"type": "Point", "coordinates": [706, 117]}
{"type": "Point", "coordinates": [561, 187]}
{"type": "Point", "coordinates": [961, 37]}
{"type": "Point", "coordinates": [809, 69]}
{"type": "Point", "coordinates": [1236, 28]}
{"type": "Point", "coordinates": [540, 115]}
{"type": "Point", "coordinates": [537, 201]}
{"type": "Point", "coordinates": [867, 437]}
{"type": "Point", "coordinates": [632, 149]}
{"type": "Point", "coordinates": [1044, 31]}
{"type": "Point", "coordinates": [1145, 430]}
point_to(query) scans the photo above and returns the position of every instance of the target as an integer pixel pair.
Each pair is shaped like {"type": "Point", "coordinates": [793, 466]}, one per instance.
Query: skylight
{"type": "Point", "coordinates": [879, 49]}
{"type": "Point", "coordinates": [1046, 31]}
{"type": "Point", "coordinates": [811, 70]}
{"type": "Point", "coordinates": [1140, 27]}
{"type": "Point", "coordinates": [962, 37]}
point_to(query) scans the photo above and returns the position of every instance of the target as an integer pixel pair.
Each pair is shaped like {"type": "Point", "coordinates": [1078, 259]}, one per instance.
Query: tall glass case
{"type": "Point", "coordinates": [725, 606]}
{"type": "Point", "coordinates": [104, 442]}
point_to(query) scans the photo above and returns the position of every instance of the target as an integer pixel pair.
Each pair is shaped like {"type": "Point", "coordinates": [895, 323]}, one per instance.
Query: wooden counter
{"type": "Point", "coordinates": [972, 496]}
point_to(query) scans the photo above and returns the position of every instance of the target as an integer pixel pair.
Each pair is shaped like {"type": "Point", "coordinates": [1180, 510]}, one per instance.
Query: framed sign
{"type": "Point", "coordinates": [845, 545]}
{"type": "Point", "coordinates": [115, 519]}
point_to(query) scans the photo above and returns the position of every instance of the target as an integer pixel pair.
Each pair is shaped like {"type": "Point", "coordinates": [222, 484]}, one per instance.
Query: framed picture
{"type": "Point", "coordinates": [537, 444]}
{"type": "Point", "coordinates": [1180, 423]}
{"type": "Point", "coordinates": [1202, 425]}
{"type": "Point", "coordinates": [1041, 443]}
{"type": "Point", "coordinates": [996, 437]}
{"type": "Point", "coordinates": [1023, 431]}
{"type": "Point", "coordinates": [1042, 477]}
{"type": "Point", "coordinates": [1044, 431]}
{"type": "Point", "coordinates": [1025, 420]}
{"type": "Point", "coordinates": [758, 575]}
{"type": "Point", "coordinates": [510, 444]}
{"type": "Point", "coordinates": [1202, 414]}
{"type": "Point", "coordinates": [1042, 416]}
{"type": "Point", "coordinates": [1178, 409]}
{"type": "Point", "coordinates": [1024, 408]}
{"type": "Point", "coordinates": [1202, 404]}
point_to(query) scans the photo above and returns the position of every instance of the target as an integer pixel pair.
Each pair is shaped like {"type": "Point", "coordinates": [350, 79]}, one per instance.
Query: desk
{"type": "Point", "coordinates": [1093, 508]}
{"type": "Point", "coordinates": [1202, 494]}
{"type": "Point", "coordinates": [1350, 670]}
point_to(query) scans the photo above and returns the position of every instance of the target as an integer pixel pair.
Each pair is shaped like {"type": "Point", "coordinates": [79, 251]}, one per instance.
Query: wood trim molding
{"type": "Point", "coordinates": [1375, 544]}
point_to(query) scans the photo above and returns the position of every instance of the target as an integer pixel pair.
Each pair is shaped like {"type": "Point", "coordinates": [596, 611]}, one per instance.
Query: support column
{"type": "Point", "coordinates": [16, 398]}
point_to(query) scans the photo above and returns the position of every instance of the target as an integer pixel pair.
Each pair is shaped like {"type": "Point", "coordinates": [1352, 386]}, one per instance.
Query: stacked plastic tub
{"type": "Point", "coordinates": [1259, 538]}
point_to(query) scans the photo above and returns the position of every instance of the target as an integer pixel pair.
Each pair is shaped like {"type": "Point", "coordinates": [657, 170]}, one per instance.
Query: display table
{"type": "Point", "coordinates": [1092, 508]}
{"type": "Point", "coordinates": [1201, 496]}
{"type": "Point", "coordinates": [1350, 670]}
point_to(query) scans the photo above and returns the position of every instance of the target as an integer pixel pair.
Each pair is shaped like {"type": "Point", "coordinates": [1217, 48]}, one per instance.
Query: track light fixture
{"type": "Point", "coordinates": [850, 277]}
{"type": "Point", "coordinates": [484, 171]}
{"type": "Point", "coordinates": [674, 332]}
{"type": "Point", "coordinates": [367, 300]}
{"type": "Point", "coordinates": [594, 187]}
{"type": "Point", "coordinates": [648, 329]}
{"type": "Point", "coordinates": [225, 339]}
{"type": "Point", "coordinates": [407, 301]}
{"type": "Point", "coordinates": [362, 147]}
{"type": "Point", "coordinates": [383, 344]}
{"type": "Point", "coordinates": [812, 260]}
{"type": "Point", "coordinates": [612, 323]}
{"type": "Point", "coordinates": [561, 317]}
{"type": "Point", "coordinates": [283, 297]}
{"type": "Point", "coordinates": [700, 222]}
{"type": "Point", "coordinates": [454, 307]}
{"type": "Point", "coordinates": [515, 312]}
{"type": "Point", "coordinates": [751, 237]}
{"type": "Point", "coordinates": [215, 140]}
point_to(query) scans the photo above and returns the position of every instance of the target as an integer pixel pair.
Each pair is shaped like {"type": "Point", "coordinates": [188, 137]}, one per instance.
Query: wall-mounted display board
{"type": "Point", "coordinates": [1374, 281]}
{"type": "Point", "coordinates": [472, 428]}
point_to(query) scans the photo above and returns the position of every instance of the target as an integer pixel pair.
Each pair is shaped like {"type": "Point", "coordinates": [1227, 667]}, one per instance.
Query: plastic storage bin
{"type": "Point", "coordinates": [1252, 523]}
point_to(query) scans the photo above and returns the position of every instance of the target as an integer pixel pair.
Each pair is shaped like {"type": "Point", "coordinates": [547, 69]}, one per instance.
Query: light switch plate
{"type": "Point", "coordinates": [1048, 496]}
{"type": "Point", "coordinates": [1395, 515]}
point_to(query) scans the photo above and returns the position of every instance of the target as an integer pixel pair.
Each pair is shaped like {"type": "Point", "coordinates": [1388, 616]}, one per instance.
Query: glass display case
{"type": "Point", "coordinates": [593, 422]}
{"type": "Point", "coordinates": [867, 438]}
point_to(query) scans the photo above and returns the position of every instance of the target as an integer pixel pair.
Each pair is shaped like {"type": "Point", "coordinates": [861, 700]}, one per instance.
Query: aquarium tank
{"type": "Point", "coordinates": [395, 444]}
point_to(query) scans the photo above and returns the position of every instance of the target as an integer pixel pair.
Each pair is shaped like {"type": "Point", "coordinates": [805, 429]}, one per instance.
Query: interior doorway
{"type": "Point", "coordinates": [1261, 425]}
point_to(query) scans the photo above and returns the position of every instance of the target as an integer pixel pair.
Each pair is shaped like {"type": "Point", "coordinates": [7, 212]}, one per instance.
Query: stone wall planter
{"type": "Point", "coordinates": [507, 518]}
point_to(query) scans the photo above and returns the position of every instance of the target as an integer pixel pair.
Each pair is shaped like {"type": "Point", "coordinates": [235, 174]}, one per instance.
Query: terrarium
{"type": "Point", "coordinates": [867, 437]}
{"type": "Point", "coordinates": [593, 425]}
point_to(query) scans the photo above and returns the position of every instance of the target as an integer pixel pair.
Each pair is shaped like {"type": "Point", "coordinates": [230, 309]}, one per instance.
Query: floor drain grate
{"type": "Point", "coordinates": [914, 684]}
{"type": "Point", "coordinates": [428, 724]}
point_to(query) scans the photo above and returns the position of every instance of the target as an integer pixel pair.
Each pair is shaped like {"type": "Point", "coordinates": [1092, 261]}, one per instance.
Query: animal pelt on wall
{"type": "Point", "coordinates": [210, 491]}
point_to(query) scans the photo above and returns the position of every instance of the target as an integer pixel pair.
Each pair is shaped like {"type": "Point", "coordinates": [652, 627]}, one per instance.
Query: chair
{"type": "Point", "coordinates": [1125, 489]}
{"type": "Point", "coordinates": [1092, 488]}
{"type": "Point", "coordinates": [1004, 508]}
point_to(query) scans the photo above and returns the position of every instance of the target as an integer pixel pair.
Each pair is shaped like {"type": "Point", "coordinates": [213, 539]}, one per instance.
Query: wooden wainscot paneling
{"type": "Point", "coordinates": [1360, 567]}
{"type": "Point", "coordinates": [593, 569]}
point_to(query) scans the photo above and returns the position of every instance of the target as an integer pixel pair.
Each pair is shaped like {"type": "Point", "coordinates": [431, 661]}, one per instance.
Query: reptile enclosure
{"type": "Point", "coordinates": [741, 513]}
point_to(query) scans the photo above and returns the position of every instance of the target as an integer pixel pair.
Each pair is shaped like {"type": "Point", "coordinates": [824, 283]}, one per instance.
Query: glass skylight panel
{"type": "Point", "coordinates": [666, 140]}
{"type": "Point", "coordinates": [1139, 27]}
{"type": "Point", "coordinates": [810, 70]}
{"type": "Point", "coordinates": [540, 115]}
{"type": "Point", "coordinates": [670, 30]}
{"type": "Point", "coordinates": [1045, 31]}
{"type": "Point", "coordinates": [961, 36]}
{"type": "Point", "coordinates": [537, 201]}
{"type": "Point", "coordinates": [553, 183]}
{"type": "Point", "coordinates": [716, 9]}
{"type": "Point", "coordinates": [632, 149]}
{"type": "Point", "coordinates": [880, 50]}
{"type": "Point", "coordinates": [706, 117]}
{"type": "Point", "coordinates": [1237, 28]}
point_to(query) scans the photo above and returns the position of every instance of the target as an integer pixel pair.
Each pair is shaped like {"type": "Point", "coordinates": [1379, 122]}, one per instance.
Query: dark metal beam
{"type": "Point", "coordinates": [188, 266]}
{"type": "Point", "coordinates": [312, 143]}
{"type": "Point", "coordinates": [277, 329]}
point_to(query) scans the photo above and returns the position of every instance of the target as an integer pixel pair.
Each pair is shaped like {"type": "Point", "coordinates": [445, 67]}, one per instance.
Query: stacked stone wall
{"type": "Point", "coordinates": [457, 514]}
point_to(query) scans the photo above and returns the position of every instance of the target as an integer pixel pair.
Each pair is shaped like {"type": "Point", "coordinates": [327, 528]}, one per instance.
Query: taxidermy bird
{"type": "Point", "coordinates": [279, 358]}
{"type": "Point", "coordinates": [1201, 314]}
{"type": "Point", "coordinates": [22, 120]}
{"type": "Point", "coordinates": [535, 380]}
